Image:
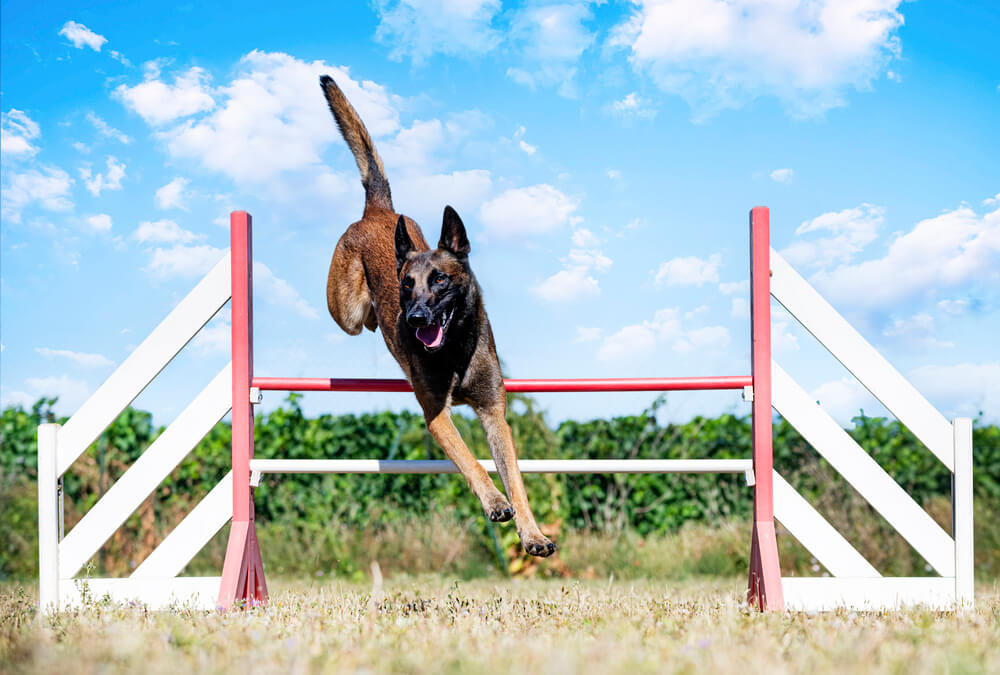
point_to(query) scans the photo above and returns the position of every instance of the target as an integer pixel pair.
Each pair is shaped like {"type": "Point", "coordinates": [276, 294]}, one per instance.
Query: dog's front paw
{"type": "Point", "coordinates": [538, 545]}
{"type": "Point", "coordinates": [499, 509]}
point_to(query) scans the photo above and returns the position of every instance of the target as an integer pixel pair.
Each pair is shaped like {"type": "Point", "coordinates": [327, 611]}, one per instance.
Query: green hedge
{"type": "Point", "coordinates": [643, 504]}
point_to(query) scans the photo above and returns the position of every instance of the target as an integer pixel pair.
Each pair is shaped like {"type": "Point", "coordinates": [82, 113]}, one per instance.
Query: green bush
{"type": "Point", "coordinates": [323, 507]}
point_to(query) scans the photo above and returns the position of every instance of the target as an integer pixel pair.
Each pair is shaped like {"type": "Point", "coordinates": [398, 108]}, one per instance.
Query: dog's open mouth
{"type": "Point", "coordinates": [432, 336]}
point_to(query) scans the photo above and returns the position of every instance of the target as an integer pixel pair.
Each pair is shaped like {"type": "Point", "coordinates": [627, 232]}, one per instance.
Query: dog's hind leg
{"type": "Point", "coordinates": [495, 505]}
{"type": "Point", "coordinates": [347, 294]}
{"type": "Point", "coordinates": [501, 440]}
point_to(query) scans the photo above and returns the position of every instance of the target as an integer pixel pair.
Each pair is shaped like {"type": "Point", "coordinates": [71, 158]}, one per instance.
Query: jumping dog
{"type": "Point", "coordinates": [430, 310]}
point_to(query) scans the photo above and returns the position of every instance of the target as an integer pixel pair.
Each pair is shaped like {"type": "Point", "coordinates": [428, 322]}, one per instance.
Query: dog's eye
{"type": "Point", "coordinates": [440, 279]}
{"type": "Point", "coordinates": [408, 284]}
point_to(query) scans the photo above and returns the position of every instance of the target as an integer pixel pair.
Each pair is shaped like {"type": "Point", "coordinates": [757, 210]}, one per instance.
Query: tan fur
{"type": "Point", "coordinates": [363, 289]}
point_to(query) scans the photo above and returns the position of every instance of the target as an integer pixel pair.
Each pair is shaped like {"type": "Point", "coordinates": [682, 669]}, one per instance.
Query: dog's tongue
{"type": "Point", "coordinates": [431, 335]}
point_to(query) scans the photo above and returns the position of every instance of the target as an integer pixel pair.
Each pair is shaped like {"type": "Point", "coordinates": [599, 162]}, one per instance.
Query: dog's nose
{"type": "Point", "coordinates": [418, 317]}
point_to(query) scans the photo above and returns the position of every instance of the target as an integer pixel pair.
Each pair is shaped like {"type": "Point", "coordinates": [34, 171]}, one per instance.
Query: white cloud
{"type": "Point", "coordinates": [165, 232]}
{"type": "Point", "coordinates": [10, 398]}
{"type": "Point", "coordinates": [688, 271]}
{"type": "Point", "coordinates": [216, 337]}
{"type": "Point", "coordinates": [550, 39]}
{"type": "Point", "coordinates": [269, 132]}
{"type": "Point", "coordinates": [568, 285]}
{"type": "Point", "coordinates": [100, 222]}
{"type": "Point", "coordinates": [632, 107]}
{"type": "Point", "coordinates": [664, 331]}
{"type": "Point", "coordinates": [954, 307]}
{"type": "Point", "coordinates": [526, 147]}
{"type": "Point", "coordinates": [183, 262]}
{"type": "Point", "coordinates": [17, 131]}
{"type": "Point", "coordinates": [159, 103]}
{"type": "Point", "coordinates": [82, 359]}
{"type": "Point", "coordinates": [782, 175]}
{"type": "Point", "coordinates": [917, 330]}
{"type": "Point", "coordinates": [171, 195]}
{"type": "Point", "coordinates": [962, 389]}
{"type": "Point", "coordinates": [417, 29]}
{"type": "Point", "coordinates": [424, 195]}
{"type": "Point", "coordinates": [281, 292]}
{"type": "Point", "coordinates": [584, 238]}
{"type": "Point", "coordinates": [106, 130]}
{"type": "Point", "coordinates": [109, 180]}
{"type": "Point", "coordinates": [71, 393]}
{"type": "Point", "coordinates": [527, 211]}
{"type": "Point", "coordinates": [48, 187]}
{"type": "Point", "coordinates": [413, 149]}
{"type": "Point", "coordinates": [952, 250]}
{"type": "Point", "coordinates": [721, 53]}
{"type": "Point", "coordinates": [81, 36]}
{"type": "Point", "coordinates": [851, 230]}
{"type": "Point", "coordinates": [575, 280]}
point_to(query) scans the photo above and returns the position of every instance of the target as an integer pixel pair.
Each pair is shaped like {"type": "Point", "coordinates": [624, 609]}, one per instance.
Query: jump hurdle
{"type": "Point", "coordinates": [854, 581]}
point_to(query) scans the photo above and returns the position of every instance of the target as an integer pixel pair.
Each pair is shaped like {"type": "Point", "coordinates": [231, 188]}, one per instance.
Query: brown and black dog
{"type": "Point", "coordinates": [430, 309]}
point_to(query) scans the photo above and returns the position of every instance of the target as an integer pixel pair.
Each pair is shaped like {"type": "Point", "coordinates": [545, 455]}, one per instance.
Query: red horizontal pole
{"type": "Point", "coordinates": [523, 386]}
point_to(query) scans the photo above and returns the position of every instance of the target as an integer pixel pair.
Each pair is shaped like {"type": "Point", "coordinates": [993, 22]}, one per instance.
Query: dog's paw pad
{"type": "Point", "coordinates": [500, 511]}
{"type": "Point", "coordinates": [540, 547]}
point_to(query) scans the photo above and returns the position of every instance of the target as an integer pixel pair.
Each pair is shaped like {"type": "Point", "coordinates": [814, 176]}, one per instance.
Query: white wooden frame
{"type": "Point", "coordinates": [855, 582]}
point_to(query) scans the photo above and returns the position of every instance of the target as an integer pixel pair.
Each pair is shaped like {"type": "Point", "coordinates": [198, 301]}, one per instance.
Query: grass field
{"type": "Point", "coordinates": [432, 624]}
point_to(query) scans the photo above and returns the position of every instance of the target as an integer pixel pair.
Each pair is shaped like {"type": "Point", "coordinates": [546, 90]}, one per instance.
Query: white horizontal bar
{"type": "Point", "coordinates": [146, 474]}
{"type": "Point", "coordinates": [818, 536]}
{"type": "Point", "coordinates": [869, 367]}
{"type": "Point", "coordinates": [862, 472]}
{"type": "Point", "coordinates": [143, 364]}
{"type": "Point", "coordinates": [194, 592]}
{"type": "Point", "coordinates": [526, 466]}
{"type": "Point", "coordinates": [191, 534]}
{"type": "Point", "coordinates": [819, 594]}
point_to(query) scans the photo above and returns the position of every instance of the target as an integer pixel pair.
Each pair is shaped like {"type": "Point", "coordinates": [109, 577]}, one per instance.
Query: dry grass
{"type": "Point", "coordinates": [431, 624]}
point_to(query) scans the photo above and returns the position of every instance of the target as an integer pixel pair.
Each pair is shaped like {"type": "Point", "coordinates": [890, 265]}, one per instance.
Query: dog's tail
{"type": "Point", "coordinates": [354, 132]}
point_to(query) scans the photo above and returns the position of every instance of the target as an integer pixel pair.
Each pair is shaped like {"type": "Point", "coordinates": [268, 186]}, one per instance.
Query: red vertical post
{"type": "Point", "coordinates": [243, 572]}
{"type": "Point", "coordinates": [765, 575]}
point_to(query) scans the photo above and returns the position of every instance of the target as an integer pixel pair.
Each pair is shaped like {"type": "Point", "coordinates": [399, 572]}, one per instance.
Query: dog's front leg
{"type": "Point", "coordinates": [495, 505]}
{"type": "Point", "coordinates": [501, 440]}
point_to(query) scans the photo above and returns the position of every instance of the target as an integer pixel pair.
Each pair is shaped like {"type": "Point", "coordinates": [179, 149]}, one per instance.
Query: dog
{"type": "Point", "coordinates": [430, 310]}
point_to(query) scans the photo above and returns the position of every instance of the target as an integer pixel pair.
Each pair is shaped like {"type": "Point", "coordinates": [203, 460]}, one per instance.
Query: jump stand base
{"type": "Point", "coordinates": [764, 591]}
{"type": "Point", "coordinates": [243, 581]}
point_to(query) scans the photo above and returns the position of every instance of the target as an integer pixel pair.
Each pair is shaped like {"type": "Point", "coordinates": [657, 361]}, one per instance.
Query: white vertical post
{"type": "Point", "coordinates": [961, 512]}
{"type": "Point", "coordinates": [48, 518]}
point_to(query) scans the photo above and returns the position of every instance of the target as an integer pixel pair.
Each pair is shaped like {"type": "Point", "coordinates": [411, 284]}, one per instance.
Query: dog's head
{"type": "Point", "coordinates": [434, 286]}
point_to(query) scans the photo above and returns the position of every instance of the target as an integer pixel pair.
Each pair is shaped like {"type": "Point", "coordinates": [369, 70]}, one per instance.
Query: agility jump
{"type": "Point", "coordinates": [854, 581]}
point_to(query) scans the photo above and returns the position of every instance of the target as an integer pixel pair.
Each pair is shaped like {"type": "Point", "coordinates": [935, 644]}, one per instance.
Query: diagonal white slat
{"type": "Point", "coordinates": [191, 534]}
{"type": "Point", "coordinates": [869, 367]}
{"type": "Point", "coordinates": [862, 472]}
{"type": "Point", "coordinates": [143, 364]}
{"type": "Point", "coordinates": [142, 478]}
{"type": "Point", "coordinates": [818, 536]}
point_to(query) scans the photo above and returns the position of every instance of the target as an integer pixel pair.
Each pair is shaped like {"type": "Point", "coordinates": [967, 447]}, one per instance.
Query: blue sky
{"type": "Point", "coordinates": [603, 155]}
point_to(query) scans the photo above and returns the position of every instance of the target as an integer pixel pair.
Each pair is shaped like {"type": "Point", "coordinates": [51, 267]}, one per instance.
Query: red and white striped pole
{"type": "Point", "coordinates": [765, 574]}
{"type": "Point", "coordinates": [243, 571]}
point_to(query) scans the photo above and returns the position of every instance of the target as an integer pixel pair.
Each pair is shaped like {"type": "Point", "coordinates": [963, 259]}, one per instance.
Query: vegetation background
{"type": "Point", "coordinates": [652, 526]}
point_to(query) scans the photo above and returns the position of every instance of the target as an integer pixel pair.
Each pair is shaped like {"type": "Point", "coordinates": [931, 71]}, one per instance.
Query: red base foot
{"type": "Point", "coordinates": [764, 590]}
{"type": "Point", "coordinates": [243, 572]}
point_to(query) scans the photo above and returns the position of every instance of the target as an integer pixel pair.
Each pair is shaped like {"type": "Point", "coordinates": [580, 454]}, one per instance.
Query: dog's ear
{"type": "Point", "coordinates": [404, 245]}
{"type": "Point", "coordinates": [453, 237]}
